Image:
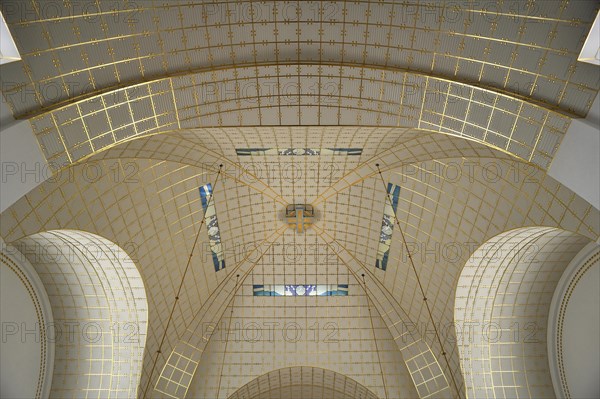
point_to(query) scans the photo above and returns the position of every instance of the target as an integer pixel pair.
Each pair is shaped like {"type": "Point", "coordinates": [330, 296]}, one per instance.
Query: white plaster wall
{"type": "Point", "coordinates": [22, 164]}
{"type": "Point", "coordinates": [577, 161]}
{"type": "Point", "coordinates": [574, 328]}
{"type": "Point", "coordinates": [27, 346]}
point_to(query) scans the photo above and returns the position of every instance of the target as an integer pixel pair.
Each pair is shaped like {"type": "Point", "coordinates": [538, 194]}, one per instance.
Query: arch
{"type": "Point", "coordinates": [303, 382]}
{"type": "Point", "coordinates": [27, 347]}
{"type": "Point", "coordinates": [100, 312]}
{"type": "Point", "coordinates": [573, 324]}
{"type": "Point", "coordinates": [208, 147]}
{"type": "Point", "coordinates": [214, 36]}
{"type": "Point", "coordinates": [325, 95]}
{"type": "Point", "coordinates": [501, 311]}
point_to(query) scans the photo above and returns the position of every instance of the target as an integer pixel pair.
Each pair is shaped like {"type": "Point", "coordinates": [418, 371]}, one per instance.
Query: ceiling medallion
{"type": "Point", "coordinates": [299, 216]}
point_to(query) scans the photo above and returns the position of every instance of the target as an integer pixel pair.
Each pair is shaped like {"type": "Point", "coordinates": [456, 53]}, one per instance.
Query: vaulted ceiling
{"type": "Point", "coordinates": [461, 104]}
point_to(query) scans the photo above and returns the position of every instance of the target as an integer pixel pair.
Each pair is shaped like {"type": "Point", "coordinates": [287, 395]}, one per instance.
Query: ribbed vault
{"type": "Point", "coordinates": [343, 334]}
{"type": "Point", "coordinates": [144, 192]}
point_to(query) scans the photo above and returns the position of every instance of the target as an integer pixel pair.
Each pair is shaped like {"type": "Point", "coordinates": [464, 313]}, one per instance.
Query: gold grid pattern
{"type": "Point", "coordinates": [99, 305]}
{"type": "Point", "coordinates": [429, 376]}
{"type": "Point", "coordinates": [225, 140]}
{"type": "Point", "coordinates": [181, 365]}
{"type": "Point", "coordinates": [303, 382]}
{"type": "Point", "coordinates": [445, 218]}
{"type": "Point", "coordinates": [504, 292]}
{"type": "Point", "coordinates": [260, 334]}
{"type": "Point", "coordinates": [152, 214]}
{"type": "Point", "coordinates": [183, 361]}
{"type": "Point", "coordinates": [97, 74]}
{"type": "Point", "coordinates": [162, 201]}
{"type": "Point", "coordinates": [75, 49]}
{"type": "Point", "coordinates": [288, 180]}
{"type": "Point", "coordinates": [425, 147]}
{"type": "Point", "coordinates": [312, 95]}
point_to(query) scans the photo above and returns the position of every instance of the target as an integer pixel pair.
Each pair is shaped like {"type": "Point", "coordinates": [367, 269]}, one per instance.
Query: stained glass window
{"type": "Point", "coordinates": [298, 151]}
{"type": "Point", "coordinates": [301, 290]}
{"type": "Point", "coordinates": [212, 226]}
{"type": "Point", "coordinates": [387, 226]}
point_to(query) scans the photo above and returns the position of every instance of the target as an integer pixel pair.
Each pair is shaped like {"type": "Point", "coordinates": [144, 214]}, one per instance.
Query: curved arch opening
{"type": "Point", "coordinates": [27, 348]}
{"type": "Point", "coordinates": [249, 108]}
{"type": "Point", "coordinates": [303, 382]}
{"type": "Point", "coordinates": [501, 311]}
{"type": "Point", "coordinates": [100, 312]}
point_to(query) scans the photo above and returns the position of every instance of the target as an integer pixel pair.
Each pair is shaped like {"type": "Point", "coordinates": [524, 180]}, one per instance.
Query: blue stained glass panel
{"type": "Point", "coordinates": [245, 152]}
{"type": "Point", "coordinates": [212, 226]}
{"type": "Point", "coordinates": [301, 290]}
{"type": "Point", "coordinates": [387, 226]}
